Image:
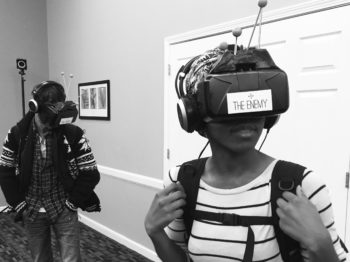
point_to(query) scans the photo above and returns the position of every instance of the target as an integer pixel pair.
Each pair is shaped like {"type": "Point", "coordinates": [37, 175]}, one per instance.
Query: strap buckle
{"type": "Point", "coordinates": [231, 219]}
{"type": "Point", "coordinates": [286, 185]}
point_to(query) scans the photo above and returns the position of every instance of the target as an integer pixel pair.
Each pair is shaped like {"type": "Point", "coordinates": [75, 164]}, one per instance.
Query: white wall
{"type": "Point", "coordinates": [123, 41]}
{"type": "Point", "coordinates": [23, 35]}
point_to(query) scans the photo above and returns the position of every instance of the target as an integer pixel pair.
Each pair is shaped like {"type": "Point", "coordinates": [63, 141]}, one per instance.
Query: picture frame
{"type": "Point", "coordinates": [94, 100]}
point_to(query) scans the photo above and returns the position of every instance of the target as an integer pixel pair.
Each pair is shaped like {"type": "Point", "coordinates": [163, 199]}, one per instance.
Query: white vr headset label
{"type": "Point", "coordinates": [66, 120]}
{"type": "Point", "coordinates": [251, 101]}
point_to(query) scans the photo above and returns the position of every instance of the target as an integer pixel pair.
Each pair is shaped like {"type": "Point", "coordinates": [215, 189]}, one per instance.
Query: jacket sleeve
{"type": "Point", "coordinates": [89, 175]}
{"type": "Point", "coordinates": [8, 164]}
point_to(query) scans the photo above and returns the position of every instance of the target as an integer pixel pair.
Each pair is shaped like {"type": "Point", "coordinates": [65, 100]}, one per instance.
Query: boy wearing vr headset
{"type": "Point", "coordinates": [239, 204]}
{"type": "Point", "coordinates": [48, 171]}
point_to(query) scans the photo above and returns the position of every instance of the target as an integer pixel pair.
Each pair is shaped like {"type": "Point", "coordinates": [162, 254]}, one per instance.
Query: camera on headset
{"type": "Point", "coordinates": [245, 84]}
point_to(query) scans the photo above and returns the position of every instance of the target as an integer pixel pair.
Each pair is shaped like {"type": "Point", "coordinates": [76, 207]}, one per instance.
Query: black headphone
{"type": "Point", "coordinates": [187, 107]}
{"type": "Point", "coordinates": [34, 104]}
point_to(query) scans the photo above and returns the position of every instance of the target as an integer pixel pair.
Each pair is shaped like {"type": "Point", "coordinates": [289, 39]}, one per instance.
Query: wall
{"type": "Point", "coordinates": [23, 35]}
{"type": "Point", "coordinates": [123, 41]}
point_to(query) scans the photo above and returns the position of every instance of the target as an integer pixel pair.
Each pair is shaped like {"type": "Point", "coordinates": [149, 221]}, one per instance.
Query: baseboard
{"type": "Point", "coordinates": [131, 177]}
{"type": "Point", "coordinates": [146, 252]}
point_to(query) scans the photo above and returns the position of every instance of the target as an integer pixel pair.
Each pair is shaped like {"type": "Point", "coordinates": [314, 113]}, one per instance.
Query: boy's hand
{"type": "Point", "coordinates": [20, 208]}
{"type": "Point", "coordinates": [166, 207]}
{"type": "Point", "coordinates": [300, 219]}
{"type": "Point", "coordinates": [70, 206]}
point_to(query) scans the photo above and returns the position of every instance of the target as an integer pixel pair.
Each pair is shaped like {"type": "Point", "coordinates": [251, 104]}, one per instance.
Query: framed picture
{"type": "Point", "coordinates": [94, 100]}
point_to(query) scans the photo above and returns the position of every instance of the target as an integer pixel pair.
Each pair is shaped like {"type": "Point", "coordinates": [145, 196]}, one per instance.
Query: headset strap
{"type": "Point", "coordinates": [180, 77]}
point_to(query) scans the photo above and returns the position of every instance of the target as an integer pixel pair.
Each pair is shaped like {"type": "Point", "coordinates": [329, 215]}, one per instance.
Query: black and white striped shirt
{"type": "Point", "coordinates": [215, 242]}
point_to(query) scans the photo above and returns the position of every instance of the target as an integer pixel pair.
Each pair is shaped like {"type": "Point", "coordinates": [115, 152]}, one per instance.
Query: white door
{"type": "Point", "coordinates": [314, 51]}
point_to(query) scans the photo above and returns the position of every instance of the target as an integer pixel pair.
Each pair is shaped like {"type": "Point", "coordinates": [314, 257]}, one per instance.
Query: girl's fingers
{"type": "Point", "coordinates": [288, 196]}
{"type": "Point", "coordinates": [281, 203]}
{"type": "Point", "coordinates": [169, 189]}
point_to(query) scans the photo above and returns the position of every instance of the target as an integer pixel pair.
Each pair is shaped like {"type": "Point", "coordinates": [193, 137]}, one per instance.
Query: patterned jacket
{"type": "Point", "coordinates": [73, 158]}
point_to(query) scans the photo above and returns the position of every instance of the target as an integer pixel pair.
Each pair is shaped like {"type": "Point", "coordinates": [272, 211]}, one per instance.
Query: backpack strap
{"type": "Point", "coordinates": [231, 219]}
{"type": "Point", "coordinates": [286, 176]}
{"type": "Point", "coordinates": [189, 176]}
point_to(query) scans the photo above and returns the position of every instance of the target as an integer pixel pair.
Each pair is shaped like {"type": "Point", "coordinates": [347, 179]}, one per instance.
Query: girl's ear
{"type": "Point", "coordinates": [203, 132]}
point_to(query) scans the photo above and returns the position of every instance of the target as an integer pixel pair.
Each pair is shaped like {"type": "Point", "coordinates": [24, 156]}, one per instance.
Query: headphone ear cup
{"type": "Point", "coordinates": [33, 105]}
{"type": "Point", "coordinates": [270, 121]}
{"type": "Point", "coordinates": [188, 114]}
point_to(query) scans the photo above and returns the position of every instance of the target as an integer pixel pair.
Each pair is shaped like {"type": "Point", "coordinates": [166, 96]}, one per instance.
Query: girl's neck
{"type": "Point", "coordinates": [233, 163]}
{"type": "Point", "coordinates": [229, 170]}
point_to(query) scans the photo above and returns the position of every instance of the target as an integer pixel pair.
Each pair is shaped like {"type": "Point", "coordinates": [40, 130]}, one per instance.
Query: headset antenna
{"type": "Point", "coordinates": [64, 80]}
{"type": "Point", "coordinates": [70, 80]}
{"type": "Point", "coordinates": [65, 83]}
{"type": "Point", "coordinates": [261, 4]}
{"type": "Point", "coordinates": [236, 33]}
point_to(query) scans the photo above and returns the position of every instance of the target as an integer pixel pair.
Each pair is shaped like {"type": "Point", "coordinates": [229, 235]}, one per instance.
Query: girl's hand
{"type": "Point", "coordinates": [166, 207]}
{"type": "Point", "coordinates": [300, 219]}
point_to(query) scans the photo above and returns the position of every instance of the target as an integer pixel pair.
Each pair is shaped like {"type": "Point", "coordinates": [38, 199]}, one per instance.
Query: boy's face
{"type": "Point", "coordinates": [48, 113]}
{"type": "Point", "coordinates": [238, 135]}
{"type": "Point", "coordinates": [51, 100]}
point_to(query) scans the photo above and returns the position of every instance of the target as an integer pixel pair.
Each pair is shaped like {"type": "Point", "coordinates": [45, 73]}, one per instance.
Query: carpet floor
{"type": "Point", "coordinates": [95, 247]}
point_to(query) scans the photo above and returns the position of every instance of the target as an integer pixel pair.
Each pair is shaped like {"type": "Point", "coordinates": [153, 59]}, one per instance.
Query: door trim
{"type": "Point", "coordinates": [247, 22]}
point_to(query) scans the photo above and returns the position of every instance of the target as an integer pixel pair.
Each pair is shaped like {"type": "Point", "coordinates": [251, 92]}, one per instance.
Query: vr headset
{"type": "Point", "coordinates": [243, 85]}
{"type": "Point", "coordinates": [56, 114]}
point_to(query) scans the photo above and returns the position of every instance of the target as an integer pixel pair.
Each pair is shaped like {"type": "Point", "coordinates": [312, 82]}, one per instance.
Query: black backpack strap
{"type": "Point", "coordinates": [286, 176]}
{"type": "Point", "coordinates": [231, 219]}
{"type": "Point", "coordinates": [189, 176]}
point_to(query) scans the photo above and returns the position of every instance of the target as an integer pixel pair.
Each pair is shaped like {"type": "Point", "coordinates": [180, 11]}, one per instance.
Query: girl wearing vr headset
{"type": "Point", "coordinates": [232, 215]}
{"type": "Point", "coordinates": [47, 172]}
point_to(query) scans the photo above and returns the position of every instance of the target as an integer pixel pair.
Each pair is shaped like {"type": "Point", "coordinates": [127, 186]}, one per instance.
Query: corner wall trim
{"type": "Point", "coordinates": [146, 252]}
{"type": "Point", "coordinates": [131, 177]}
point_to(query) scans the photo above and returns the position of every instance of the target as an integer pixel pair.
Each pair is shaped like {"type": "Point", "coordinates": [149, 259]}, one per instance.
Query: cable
{"type": "Point", "coordinates": [262, 143]}
{"type": "Point", "coordinates": [203, 149]}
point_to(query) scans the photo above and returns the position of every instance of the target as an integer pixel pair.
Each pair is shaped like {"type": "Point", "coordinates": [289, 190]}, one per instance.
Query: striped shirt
{"type": "Point", "coordinates": [211, 241]}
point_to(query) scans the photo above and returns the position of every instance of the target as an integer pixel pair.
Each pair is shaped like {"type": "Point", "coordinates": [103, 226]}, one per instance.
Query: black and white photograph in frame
{"type": "Point", "coordinates": [94, 100]}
